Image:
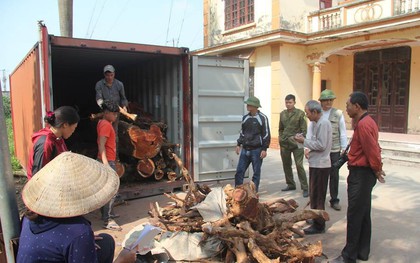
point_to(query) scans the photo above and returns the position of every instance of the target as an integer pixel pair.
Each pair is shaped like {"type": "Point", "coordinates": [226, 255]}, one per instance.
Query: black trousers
{"type": "Point", "coordinates": [360, 183]}
{"type": "Point", "coordinates": [107, 246]}
{"type": "Point", "coordinates": [334, 179]}
{"type": "Point", "coordinates": [318, 183]}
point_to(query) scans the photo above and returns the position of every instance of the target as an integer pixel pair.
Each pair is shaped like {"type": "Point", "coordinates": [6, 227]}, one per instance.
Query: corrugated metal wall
{"type": "Point", "coordinates": [26, 103]}
{"type": "Point", "coordinates": [156, 84]}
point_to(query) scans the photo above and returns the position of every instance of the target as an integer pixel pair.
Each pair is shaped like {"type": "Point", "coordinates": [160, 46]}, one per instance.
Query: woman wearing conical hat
{"type": "Point", "coordinates": [57, 197]}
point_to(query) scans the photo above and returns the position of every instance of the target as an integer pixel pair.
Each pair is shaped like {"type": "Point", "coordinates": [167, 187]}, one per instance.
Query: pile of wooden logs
{"type": "Point", "coordinates": [142, 143]}
{"type": "Point", "coordinates": [252, 231]}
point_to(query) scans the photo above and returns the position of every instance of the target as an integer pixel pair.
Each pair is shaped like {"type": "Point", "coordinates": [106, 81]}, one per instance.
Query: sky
{"type": "Point", "coordinates": [176, 23]}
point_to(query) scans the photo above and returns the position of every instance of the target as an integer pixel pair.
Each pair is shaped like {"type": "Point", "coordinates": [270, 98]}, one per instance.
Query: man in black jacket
{"type": "Point", "coordinates": [254, 139]}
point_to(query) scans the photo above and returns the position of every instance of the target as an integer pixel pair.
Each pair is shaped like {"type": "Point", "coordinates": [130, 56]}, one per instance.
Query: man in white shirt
{"type": "Point", "coordinates": [339, 141]}
{"type": "Point", "coordinates": [319, 146]}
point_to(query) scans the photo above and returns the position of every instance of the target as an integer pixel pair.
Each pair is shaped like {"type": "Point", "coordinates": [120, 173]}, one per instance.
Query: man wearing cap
{"type": "Point", "coordinates": [110, 88]}
{"type": "Point", "coordinates": [254, 139]}
{"type": "Point", "coordinates": [292, 122]}
{"type": "Point", "coordinates": [339, 140]}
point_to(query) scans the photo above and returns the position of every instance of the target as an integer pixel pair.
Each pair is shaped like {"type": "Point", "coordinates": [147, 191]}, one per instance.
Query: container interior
{"type": "Point", "coordinates": [152, 80]}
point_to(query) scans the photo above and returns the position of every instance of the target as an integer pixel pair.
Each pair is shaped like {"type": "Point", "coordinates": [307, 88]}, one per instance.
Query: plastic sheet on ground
{"type": "Point", "coordinates": [185, 246]}
{"type": "Point", "coordinates": [214, 206]}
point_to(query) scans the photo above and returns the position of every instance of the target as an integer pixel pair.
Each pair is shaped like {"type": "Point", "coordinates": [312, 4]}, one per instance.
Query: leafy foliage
{"type": "Point", "coordinates": [6, 107]}
{"type": "Point", "coordinates": [7, 113]}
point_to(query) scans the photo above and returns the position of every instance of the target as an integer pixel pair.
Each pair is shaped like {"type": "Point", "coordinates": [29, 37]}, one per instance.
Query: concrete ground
{"type": "Point", "coordinates": [395, 212]}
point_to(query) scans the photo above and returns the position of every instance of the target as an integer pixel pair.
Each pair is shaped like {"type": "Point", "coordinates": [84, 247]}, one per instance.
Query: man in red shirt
{"type": "Point", "coordinates": [365, 167]}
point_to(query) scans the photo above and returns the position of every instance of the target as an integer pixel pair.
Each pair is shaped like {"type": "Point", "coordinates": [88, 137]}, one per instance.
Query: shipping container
{"type": "Point", "coordinates": [201, 99]}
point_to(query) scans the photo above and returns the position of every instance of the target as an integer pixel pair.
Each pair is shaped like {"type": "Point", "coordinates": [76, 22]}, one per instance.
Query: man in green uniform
{"type": "Point", "coordinates": [292, 122]}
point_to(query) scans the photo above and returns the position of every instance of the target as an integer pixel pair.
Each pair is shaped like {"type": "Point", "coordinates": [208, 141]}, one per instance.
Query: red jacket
{"type": "Point", "coordinates": [364, 147]}
{"type": "Point", "coordinates": [46, 146]}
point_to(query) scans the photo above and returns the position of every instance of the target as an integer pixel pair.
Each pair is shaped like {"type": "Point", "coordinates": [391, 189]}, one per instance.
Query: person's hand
{"type": "Point", "coordinates": [299, 138]}
{"type": "Point", "coordinates": [263, 154]}
{"type": "Point", "coordinates": [238, 149]}
{"type": "Point", "coordinates": [380, 176]}
{"type": "Point", "coordinates": [126, 256]}
{"type": "Point", "coordinates": [306, 153]}
{"type": "Point", "coordinates": [123, 110]}
{"type": "Point", "coordinates": [97, 238]}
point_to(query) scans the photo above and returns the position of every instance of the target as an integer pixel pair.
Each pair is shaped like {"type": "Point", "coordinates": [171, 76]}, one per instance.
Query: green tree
{"type": "Point", "coordinates": [7, 114]}
{"type": "Point", "coordinates": [6, 107]}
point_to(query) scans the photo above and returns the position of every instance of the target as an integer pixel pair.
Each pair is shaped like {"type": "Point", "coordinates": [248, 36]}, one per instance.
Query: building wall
{"type": "Point", "coordinates": [215, 20]}
{"type": "Point", "coordinates": [295, 78]}
{"type": "Point", "coordinates": [293, 14]}
{"type": "Point", "coordinates": [262, 79]}
{"type": "Point", "coordinates": [414, 95]}
{"type": "Point", "coordinates": [338, 72]}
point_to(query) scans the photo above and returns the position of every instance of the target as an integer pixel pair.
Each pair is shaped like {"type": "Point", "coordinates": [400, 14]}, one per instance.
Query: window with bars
{"type": "Point", "coordinates": [238, 13]}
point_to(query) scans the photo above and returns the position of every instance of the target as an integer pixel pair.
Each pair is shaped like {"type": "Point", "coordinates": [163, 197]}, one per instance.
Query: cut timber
{"type": "Point", "coordinates": [145, 167]}
{"type": "Point", "coordinates": [147, 143]}
{"type": "Point", "coordinates": [159, 174]}
{"type": "Point", "coordinates": [120, 168]}
{"type": "Point", "coordinates": [137, 142]}
{"type": "Point", "coordinates": [244, 203]}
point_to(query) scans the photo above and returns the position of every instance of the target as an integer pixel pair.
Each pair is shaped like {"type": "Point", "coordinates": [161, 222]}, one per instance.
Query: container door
{"type": "Point", "coordinates": [219, 87]}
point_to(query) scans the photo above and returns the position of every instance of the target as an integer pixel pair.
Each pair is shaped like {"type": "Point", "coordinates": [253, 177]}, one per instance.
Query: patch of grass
{"type": "Point", "coordinates": [15, 162]}
{"type": "Point", "coordinates": [7, 114]}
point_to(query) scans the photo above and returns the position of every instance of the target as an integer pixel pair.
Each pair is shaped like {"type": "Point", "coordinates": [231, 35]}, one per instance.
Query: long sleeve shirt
{"type": "Point", "coordinates": [341, 127]}
{"type": "Point", "coordinates": [290, 124]}
{"type": "Point", "coordinates": [319, 144]}
{"type": "Point", "coordinates": [46, 146]}
{"type": "Point", "coordinates": [255, 132]}
{"type": "Point", "coordinates": [115, 92]}
{"type": "Point", "coordinates": [364, 147]}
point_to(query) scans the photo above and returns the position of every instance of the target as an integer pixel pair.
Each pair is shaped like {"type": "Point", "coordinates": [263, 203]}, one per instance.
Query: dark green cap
{"type": "Point", "coordinates": [253, 101]}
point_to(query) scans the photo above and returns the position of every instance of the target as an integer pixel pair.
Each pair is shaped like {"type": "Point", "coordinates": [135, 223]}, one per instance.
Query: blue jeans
{"type": "Point", "coordinates": [106, 210]}
{"type": "Point", "coordinates": [245, 158]}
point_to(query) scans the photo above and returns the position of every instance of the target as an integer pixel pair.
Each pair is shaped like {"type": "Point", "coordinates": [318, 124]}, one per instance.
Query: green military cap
{"type": "Point", "coordinates": [253, 101]}
{"type": "Point", "coordinates": [327, 94]}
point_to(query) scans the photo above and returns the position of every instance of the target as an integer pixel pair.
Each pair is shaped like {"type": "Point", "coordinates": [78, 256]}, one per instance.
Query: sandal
{"type": "Point", "coordinates": [112, 225]}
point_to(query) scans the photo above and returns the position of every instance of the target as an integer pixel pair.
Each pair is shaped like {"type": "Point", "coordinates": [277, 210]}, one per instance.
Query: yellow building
{"type": "Point", "coordinates": [302, 47]}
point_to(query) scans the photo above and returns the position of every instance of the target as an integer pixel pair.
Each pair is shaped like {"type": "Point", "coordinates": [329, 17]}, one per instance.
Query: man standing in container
{"type": "Point", "coordinates": [339, 141]}
{"type": "Point", "coordinates": [292, 121]}
{"type": "Point", "coordinates": [110, 88]}
{"type": "Point", "coordinates": [254, 139]}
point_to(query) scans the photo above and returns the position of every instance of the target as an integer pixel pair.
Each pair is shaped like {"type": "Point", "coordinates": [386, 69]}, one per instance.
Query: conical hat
{"type": "Point", "coordinates": [70, 185]}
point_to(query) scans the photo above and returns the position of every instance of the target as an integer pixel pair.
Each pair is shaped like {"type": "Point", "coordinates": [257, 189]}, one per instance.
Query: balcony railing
{"type": "Point", "coordinates": [357, 12]}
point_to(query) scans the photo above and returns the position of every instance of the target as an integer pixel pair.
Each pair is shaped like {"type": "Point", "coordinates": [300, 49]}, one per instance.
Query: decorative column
{"type": "Point", "coordinates": [316, 80]}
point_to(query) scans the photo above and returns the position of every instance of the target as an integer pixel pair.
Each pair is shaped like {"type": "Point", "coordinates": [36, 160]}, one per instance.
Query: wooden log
{"type": "Point", "coordinates": [170, 174]}
{"type": "Point", "coordinates": [158, 174]}
{"type": "Point", "coordinates": [258, 254]}
{"type": "Point", "coordinates": [301, 215]}
{"type": "Point", "coordinates": [120, 168]}
{"type": "Point", "coordinates": [193, 196]}
{"type": "Point", "coordinates": [244, 203]}
{"type": "Point", "coordinates": [304, 253]}
{"type": "Point", "coordinates": [147, 143]}
{"type": "Point", "coordinates": [145, 168]}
